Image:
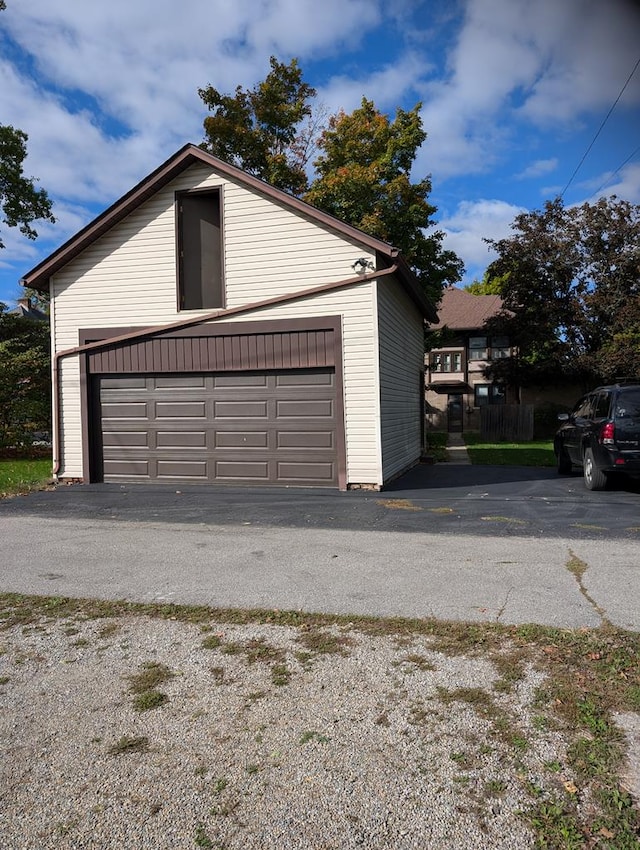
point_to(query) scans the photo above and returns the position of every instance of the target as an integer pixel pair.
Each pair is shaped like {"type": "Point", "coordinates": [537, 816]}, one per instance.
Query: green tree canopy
{"type": "Point", "coordinates": [362, 174]}
{"type": "Point", "coordinates": [571, 292]}
{"type": "Point", "coordinates": [259, 129]}
{"type": "Point", "coordinates": [487, 286]}
{"type": "Point", "coordinates": [25, 379]}
{"type": "Point", "coordinates": [364, 178]}
{"type": "Point", "coordinates": [21, 203]}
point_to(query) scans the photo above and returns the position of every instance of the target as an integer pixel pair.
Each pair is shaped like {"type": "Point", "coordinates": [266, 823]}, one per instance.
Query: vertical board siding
{"type": "Point", "coordinates": [401, 356]}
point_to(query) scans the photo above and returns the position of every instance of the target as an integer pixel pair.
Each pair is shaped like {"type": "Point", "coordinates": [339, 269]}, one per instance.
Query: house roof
{"type": "Point", "coordinates": [38, 277]}
{"type": "Point", "coordinates": [25, 310]}
{"type": "Point", "coordinates": [462, 311]}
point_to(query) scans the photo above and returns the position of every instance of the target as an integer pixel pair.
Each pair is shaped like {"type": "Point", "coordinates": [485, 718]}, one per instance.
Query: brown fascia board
{"type": "Point", "coordinates": [38, 277]}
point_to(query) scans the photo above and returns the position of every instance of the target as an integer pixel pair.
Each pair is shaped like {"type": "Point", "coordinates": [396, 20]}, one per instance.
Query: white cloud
{"type": "Point", "coordinates": [514, 61]}
{"type": "Point", "coordinates": [472, 223]}
{"type": "Point", "coordinates": [538, 168]}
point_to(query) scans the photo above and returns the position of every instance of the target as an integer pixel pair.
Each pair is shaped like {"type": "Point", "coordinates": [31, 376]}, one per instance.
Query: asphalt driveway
{"type": "Point", "coordinates": [493, 501]}
{"type": "Point", "coordinates": [452, 542]}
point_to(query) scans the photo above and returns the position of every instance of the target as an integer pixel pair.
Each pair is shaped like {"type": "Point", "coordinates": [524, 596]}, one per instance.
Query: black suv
{"type": "Point", "coordinates": [601, 435]}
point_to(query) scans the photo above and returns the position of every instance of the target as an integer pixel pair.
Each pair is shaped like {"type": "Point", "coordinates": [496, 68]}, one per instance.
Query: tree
{"type": "Point", "coordinates": [363, 178]}
{"type": "Point", "coordinates": [259, 129]}
{"type": "Point", "coordinates": [362, 172]}
{"type": "Point", "coordinates": [21, 203]}
{"type": "Point", "coordinates": [571, 292]}
{"type": "Point", "coordinates": [25, 379]}
{"type": "Point", "coordinates": [486, 286]}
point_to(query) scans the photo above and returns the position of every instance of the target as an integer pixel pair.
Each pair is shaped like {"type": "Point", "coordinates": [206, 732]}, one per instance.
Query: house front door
{"type": "Point", "coordinates": [454, 413]}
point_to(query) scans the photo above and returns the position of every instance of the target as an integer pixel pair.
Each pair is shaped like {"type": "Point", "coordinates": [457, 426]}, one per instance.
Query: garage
{"type": "Point", "coordinates": [276, 427]}
{"type": "Point", "coordinates": [225, 403]}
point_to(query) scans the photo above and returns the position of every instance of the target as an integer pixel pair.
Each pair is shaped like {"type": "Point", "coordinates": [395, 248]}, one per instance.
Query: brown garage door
{"type": "Point", "coordinates": [239, 427]}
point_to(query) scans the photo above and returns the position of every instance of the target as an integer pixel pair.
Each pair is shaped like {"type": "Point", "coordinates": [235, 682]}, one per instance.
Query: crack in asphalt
{"type": "Point", "coordinates": [577, 567]}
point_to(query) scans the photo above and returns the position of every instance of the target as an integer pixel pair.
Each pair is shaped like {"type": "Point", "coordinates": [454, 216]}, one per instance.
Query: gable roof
{"type": "Point", "coordinates": [190, 154]}
{"type": "Point", "coordinates": [462, 311]}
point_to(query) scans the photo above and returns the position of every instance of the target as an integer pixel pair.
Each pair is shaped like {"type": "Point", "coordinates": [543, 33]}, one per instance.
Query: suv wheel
{"type": "Point", "coordinates": [594, 478]}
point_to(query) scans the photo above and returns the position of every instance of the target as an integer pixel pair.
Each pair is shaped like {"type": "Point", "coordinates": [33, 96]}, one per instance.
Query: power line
{"type": "Point", "coordinates": [619, 168]}
{"type": "Point", "coordinates": [606, 118]}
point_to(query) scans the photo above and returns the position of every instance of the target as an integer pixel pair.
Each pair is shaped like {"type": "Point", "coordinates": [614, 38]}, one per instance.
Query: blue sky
{"type": "Point", "coordinates": [513, 94]}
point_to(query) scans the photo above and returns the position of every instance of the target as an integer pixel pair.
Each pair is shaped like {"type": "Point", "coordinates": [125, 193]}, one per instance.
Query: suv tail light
{"type": "Point", "coordinates": [607, 434]}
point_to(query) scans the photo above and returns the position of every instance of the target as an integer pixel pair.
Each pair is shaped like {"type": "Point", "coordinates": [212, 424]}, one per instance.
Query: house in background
{"type": "Point", "coordinates": [455, 385]}
{"type": "Point", "coordinates": [210, 328]}
{"type": "Point", "coordinates": [25, 310]}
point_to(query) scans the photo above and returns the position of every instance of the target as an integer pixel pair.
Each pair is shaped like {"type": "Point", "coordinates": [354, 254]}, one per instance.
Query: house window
{"type": "Point", "coordinates": [500, 347]}
{"type": "Point", "coordinates": [478, 349]}
{"type": "Point", "coordinates": [485, 394]}
{"type": "Point", "coordinates": [200, 279]}
{"type": "Point", "coordinates": [446, 361]}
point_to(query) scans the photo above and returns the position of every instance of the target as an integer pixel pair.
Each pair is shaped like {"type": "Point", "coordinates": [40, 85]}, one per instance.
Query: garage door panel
{"type": "Point", "coordinates": [126, 468]}
{"type": "Point", "coordinates": [135, 410]}
{"type": "Point", "coordinates": [182, 469]}
{"type": "Point", "coordinates": [181, 381]}
{"type": "Point", "coordinates": [125, 439]}
{"type": "Point", "coordinates": [181, 439]}
{"type": "Point", "coordinates": [305, 471]}
{"type": "Point", "coordinates": [242, 470]}
{"type": "Point", "coordinates": [240, 380]}
{"type": "Point", "coordinates": [181, 410]}
{"type": "Point", "coordinates": [305, 409]}
{"type": "Point", "coordinates": [267, 427]}
{"type": "Point", "coordinates": [240, 409]}
{"type": "Point", "coordinates": [309, 379]}
{"type": "Point", "coordinates": [241, 439]}
{"type": "Point", "coordinates": [306, 440]}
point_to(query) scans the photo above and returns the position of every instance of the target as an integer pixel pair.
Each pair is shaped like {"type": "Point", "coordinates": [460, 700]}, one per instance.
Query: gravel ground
{"type": "Point", "coordinates": [262, 742]}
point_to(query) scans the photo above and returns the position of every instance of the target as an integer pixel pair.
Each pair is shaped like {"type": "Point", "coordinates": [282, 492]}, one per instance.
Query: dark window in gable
{"type": "Point", "coordinates": [200, 279]}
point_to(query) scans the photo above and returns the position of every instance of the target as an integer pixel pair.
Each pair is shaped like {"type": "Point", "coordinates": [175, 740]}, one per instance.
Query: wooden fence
{"type": "Point", "coordinates": [506, 422]}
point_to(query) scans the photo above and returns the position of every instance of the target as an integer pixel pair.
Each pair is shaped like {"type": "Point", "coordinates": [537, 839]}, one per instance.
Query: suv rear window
{"type": "Point", "coordinates": [628, 405]}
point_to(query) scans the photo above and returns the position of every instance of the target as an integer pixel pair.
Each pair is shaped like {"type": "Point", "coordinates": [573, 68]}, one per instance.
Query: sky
{"type": "Point", "coordinates": [514, 93]}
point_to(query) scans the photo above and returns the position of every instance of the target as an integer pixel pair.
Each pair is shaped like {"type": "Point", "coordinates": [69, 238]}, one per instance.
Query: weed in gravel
{"type": "Point", "coordinates": [311, 735]}
{"type": "Point", "coordinates": [143, 686]}
{"type": "Point", "coordinates": [211, 642]}
{"type": "Point", "coordinates": [108, 630]}
{"type": "Point", "coordinates": [322, 642]}
{"type": "Point", "coordinates": [127, 744]}
{"type": "Point", "coordinates": [148, 700]}
{"type": "Point", "coordinates": [81, 642]}
{"type": "Point", "coordinates": [218, 675]}
{"type": "Point", "coordinates": [4, 680]}
{"type": "Point", "coordinates": [219, 785]}
{"type": "Point", "coordinates": [418, 661]}
{"type": "Point", "coordinates": [280, 675]}
{"type": "Point", "coordinates": [254, 697]}
{"type": "Point", "coordinates": [150, 676]}
{"type": "Point", "coordinates": [201, 839]}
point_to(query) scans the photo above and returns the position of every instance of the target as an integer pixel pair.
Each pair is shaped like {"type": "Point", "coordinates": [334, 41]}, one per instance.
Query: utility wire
{"type": "Point", "coordinates": [606, 118]}
{"type": "Point", "coordinates": [619, 168]}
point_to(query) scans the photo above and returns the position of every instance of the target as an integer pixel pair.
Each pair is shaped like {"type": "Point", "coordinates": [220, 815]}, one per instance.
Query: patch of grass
{"type": "Point", "coordinates": [280, 675]}
{"type": "Point", "coordinates": [324, 642]}
{"type": "Point", "coordinates": [150, 676]}
{"type": "Point", "coordinates": [436, 445]}
{"type": "Point", "coordinates": [311, 735]}
{"type": "Point", "coordinates": [143, 686]}
{"type": "Point", "coordinates": [4, 680]}
{"type": "Point", "coordinates": [148, 700]}
{"type": "Point", "coordinates": [418, 661]}
{"type": "Point", "coordinates": [211, 642]}
{"type": "Point", "coordinates": [18, 476]}
{"type": "Point", "coordinates": [201, 839]}
{"type": "Point", "coordinates": [533, 453]}
{"type": "Point", "coordinates": [127, 745]}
